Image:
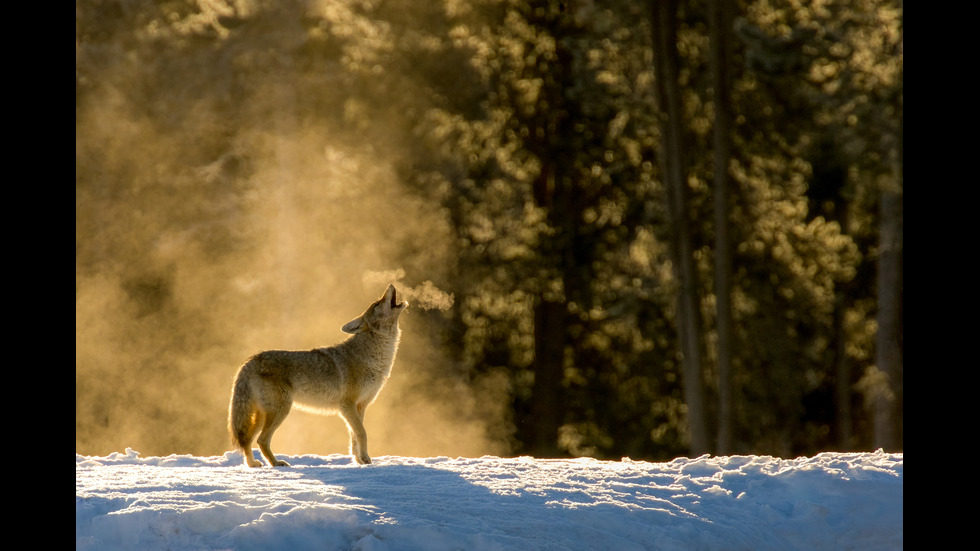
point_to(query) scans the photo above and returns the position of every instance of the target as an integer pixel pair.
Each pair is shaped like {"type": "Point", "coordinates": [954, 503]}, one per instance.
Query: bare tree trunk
{"type": "Point", "coordinates": [888, 401]}
{"type": "Point", "coordinates": [843, 373]}
{"type": "Point", "coordinates": [552, 190]}
{"type": "Point", "coordinates": [721, 19]}
{"type": "Point", "coordinates": [663, 19]}
{"type": "Point", "coordinates": [889, 339]}
{"type": "Point", "coordinates": [546, 413]}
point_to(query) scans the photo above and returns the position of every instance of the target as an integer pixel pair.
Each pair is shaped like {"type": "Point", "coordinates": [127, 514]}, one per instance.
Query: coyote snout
{"type": "Point", "coordinates": [342, 379]}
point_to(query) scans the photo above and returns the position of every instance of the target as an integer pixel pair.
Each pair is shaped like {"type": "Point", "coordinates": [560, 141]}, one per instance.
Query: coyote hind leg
{"type": "Point", "coordinates": [250, 460]}
{"type": "Point", "coordinates": [270, 422]}
{"type": "Point", "coordinates": [244, 434]}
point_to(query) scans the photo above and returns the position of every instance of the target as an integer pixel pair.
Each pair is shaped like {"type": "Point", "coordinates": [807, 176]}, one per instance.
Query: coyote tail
{"type": "Point", "coordinates": [241, 425]}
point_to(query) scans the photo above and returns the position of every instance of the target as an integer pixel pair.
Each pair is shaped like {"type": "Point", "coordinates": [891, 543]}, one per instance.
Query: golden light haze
{"type": "Point", "coordinates": [179, 280]}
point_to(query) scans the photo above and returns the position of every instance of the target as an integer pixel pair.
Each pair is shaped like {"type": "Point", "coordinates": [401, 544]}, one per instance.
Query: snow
{"type": "Point", "coordinates": [832, 501]}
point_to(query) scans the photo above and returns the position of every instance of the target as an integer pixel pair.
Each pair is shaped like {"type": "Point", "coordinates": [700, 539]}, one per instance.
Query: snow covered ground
{"type": "Point", "coordinates": [833, 501]}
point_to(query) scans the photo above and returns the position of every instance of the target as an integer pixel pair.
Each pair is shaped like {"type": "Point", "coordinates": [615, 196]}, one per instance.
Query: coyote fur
{"type": "Point", "coordinates": [341, 379]}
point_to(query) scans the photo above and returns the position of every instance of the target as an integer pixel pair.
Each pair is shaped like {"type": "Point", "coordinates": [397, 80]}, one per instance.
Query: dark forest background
{"type": "Point", "coordinates": [646, 229]}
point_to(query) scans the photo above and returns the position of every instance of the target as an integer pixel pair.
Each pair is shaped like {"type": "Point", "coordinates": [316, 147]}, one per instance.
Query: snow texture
{"type": "Point", "coordinates": [832, 501]}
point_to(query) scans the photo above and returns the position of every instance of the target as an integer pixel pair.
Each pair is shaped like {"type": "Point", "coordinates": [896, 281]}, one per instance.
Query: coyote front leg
{"type": "Point", "coordinates": [354, 415]}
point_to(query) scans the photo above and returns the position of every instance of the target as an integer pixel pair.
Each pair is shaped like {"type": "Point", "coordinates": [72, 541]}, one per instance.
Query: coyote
{"type": "Point", "coordinates": [343, 379]}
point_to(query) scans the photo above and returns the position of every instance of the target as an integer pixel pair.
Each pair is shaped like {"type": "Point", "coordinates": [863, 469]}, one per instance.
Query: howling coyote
{"type": "Point", "coordinates": [343, 379]}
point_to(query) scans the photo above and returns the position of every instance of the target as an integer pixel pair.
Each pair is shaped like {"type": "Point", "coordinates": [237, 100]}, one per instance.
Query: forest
{"type": "Point", "coordinates": [648, 229]}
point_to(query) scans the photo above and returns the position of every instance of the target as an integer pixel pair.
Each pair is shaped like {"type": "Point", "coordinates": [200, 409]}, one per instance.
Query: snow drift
{"type": "Point", "coordinates": [833, 501]}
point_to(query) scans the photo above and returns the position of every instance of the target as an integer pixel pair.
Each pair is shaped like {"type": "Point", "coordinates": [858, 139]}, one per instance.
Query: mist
{"type": "Point", "coordinates": [163, 322]}
{"type": "Point", "coordinates": [232, 225]}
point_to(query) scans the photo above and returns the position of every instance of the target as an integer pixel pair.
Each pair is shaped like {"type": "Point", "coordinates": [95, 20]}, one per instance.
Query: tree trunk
{"type": "Point", "coordinates": [889, 339]}
{"type": "Point", "coordinates": [888, 426]}
{"type": "Point", "coordinates": [546, 411]}
{"type": "Point", "coordinates": [665, 59]}
{"type": "Point", "coordinates": [721, 20]}
{"type": "Point", "coordinates": [843, 384]}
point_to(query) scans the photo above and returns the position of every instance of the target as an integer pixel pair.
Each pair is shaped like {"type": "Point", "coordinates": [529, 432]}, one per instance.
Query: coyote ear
{"type": "Point", "coordinates": [354, 326]}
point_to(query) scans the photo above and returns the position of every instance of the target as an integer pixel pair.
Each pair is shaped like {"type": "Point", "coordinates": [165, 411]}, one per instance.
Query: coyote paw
{"type": "Point", "coordinates": [253, 463]}
{"type": "Point", "coordinates": [365, 460]}
{"type": "Point", "coordinates": [280, 463]}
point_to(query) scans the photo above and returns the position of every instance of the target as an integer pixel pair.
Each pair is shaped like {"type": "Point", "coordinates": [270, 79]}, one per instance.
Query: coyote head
{"type": "Point", "coordinates": [381, 315]}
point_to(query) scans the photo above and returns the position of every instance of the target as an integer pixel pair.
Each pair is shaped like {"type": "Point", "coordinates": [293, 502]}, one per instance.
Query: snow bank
{"type": "Point", "coordinates": [832, 501]}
